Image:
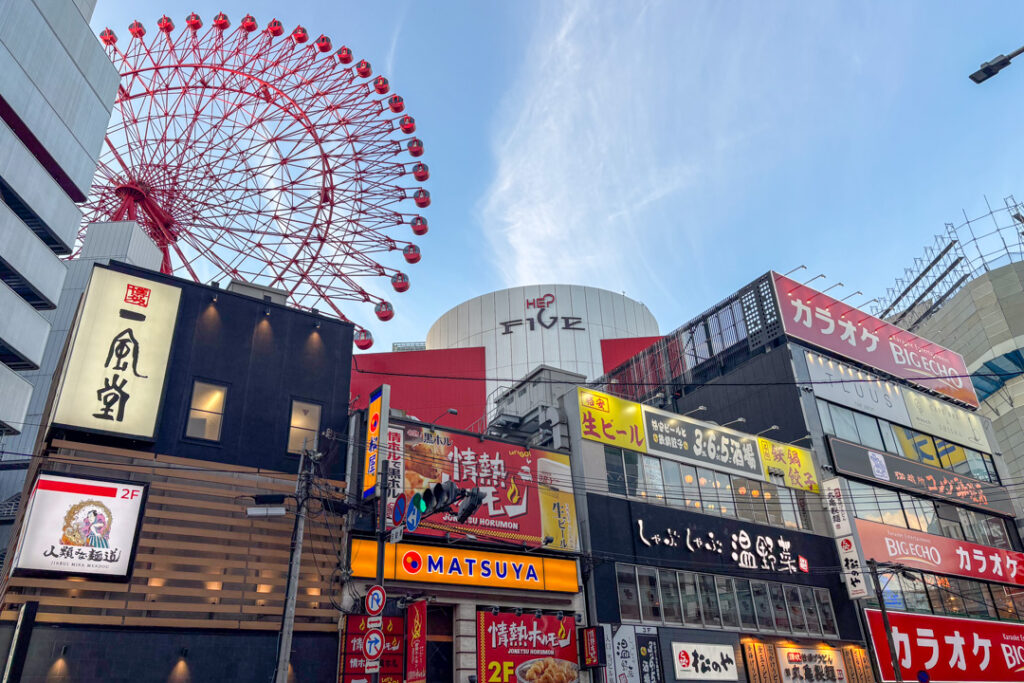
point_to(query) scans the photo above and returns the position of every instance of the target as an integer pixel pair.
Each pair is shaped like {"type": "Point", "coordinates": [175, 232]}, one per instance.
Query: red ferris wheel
{"type": "Point", "coordinates": [273, 159]}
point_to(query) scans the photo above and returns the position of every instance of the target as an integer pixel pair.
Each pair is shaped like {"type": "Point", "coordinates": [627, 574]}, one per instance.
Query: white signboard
{"type": "Point", "coordinates": [623, 655]}
{"type": "Point", "coordinates": [704, 662]}
{"type": "Point", "coordinates": [939, 418]}
{"type": "Point", "coordinates": [811, 665]}
{"type": "Point", "coordinates": [77, 526]}
{"type": "Point", "coordinates": [837, 507]}
{"type": "Point", "coordinates": [114, 377]}
{"type": "Point", "coordinates": [856, 389]}
{"type": "Point", "coordinates": [852, 568]}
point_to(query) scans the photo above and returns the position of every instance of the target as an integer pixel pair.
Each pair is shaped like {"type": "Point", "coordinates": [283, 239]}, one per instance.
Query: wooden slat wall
{"type": "Point", "coordinates": [201, 563]}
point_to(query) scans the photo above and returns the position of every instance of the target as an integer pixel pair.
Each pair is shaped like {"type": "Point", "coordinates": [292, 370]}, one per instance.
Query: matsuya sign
{"type": "Point", "coordinates": [114, 376]}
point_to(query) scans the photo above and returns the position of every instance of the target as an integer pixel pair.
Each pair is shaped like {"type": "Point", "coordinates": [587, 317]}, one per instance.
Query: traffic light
{"type": "Point", "coordinates": [437, 498]}
{"type": "Point", "coordinates": [470, 504]}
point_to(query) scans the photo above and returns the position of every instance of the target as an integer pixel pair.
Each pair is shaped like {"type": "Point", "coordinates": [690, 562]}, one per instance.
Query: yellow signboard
{"type": "Point", "coordinates": [795, 464]}
{"type": "Point", "coordinates": [611, 420]}
{"type": "Point", "coordinates": [464, 567]}
{"type": "Point", "coordinates": [376, 424]}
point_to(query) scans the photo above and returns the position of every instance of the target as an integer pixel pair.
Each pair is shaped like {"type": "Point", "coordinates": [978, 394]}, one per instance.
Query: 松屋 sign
{"type": "Point", "coordinates": [114, 377]}
{"type": "Point", "coordinates": [704, 662]}
{"type": "Point", "coordinates": [376, 427]}
{"type": "Point", "coordinates": [85, 527]}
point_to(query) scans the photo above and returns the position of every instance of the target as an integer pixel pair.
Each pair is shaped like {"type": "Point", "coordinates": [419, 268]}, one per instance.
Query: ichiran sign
{"type": "Point", "coordinates": [545, 319]}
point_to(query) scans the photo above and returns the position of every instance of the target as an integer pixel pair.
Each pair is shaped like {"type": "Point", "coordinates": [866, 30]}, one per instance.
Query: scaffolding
{"type": "Point", "coordinates": [957, 256]}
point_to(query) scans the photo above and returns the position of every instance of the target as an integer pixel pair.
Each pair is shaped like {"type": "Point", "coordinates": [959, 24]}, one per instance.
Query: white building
{"type": "Point", "coordinates": [57, 88]}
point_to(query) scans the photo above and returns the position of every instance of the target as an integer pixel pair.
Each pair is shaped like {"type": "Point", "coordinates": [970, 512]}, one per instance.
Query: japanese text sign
{"type": "Point", "coordinates": [893, 470]}
{"type": "Point", "coordinates": [113, 380]}
{"type": "Point", "coordinates": [354, 664]}
{"type": "Point", "coordinates": [704, 662]}
{"type": "Point", "coordinates": [376, 425]}
{"type": "Point", "coordinates": [592, 652]}
{"type": "Point", "coordinates": [836, 504]}
{"type": "Point", "coordinates": [465, 567]}
{"type": "Point", "coordinates": [528, 493]}
{"type": "Point", "coordinates": [611, 420]}
{"type": "Point", "coordinates": [817, 318]}
{"type": "Point", "coordinates": [811, 665]}
{"type": "Point", "coordinates": [702, 443]}
{"type": "Point", "coordinates": [526, 649]}
{"type": "Point", "coordinates": [85, 527]}
{"type": "Point", "coordinates": [852, 568]}
{"type": "Point", "coordinates": [795, 464]}
{"type": "Point", "coordinates": [416, 642]}
{"type": "Point", "coordinates": [940, 554]}
{"type": "Point", "coordinates": [648, 657]}
{"type": "Point", "coordinates": [948, 648]}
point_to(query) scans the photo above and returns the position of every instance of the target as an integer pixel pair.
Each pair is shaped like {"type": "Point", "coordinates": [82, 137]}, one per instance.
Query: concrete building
{"type": "Point", "coordinates": [56, 92]}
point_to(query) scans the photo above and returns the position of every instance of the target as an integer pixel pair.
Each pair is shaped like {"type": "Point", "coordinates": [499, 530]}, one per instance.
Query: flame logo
{"type": "Point", "coordinates": [417, 627]}
{"type": "Point", "coordinates": [512, 493]}
{"type": "Point", "coordinates": [561, 631]}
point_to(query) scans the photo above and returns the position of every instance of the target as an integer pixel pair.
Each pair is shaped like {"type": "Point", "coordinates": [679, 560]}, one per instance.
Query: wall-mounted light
{"type": "Point", "coordinates": [214, 298]}
{"type": "Point", "coordinates": [183, 652]}
{"type": "Point", "coordinates": [495, 610]}
{"type": "Point", "coordinates": [560, 615]}
{"type": "Point", "coordinates": [538, 614]}
{"type": "Point", "coordinates": [316, 324]}
{"type": "Point", "coordinates": [518, 611]}
{"type": "Point", "coordinates": [63, 650]}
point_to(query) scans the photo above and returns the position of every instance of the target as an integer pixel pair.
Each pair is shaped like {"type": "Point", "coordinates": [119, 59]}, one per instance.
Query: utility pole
{"type": "Point", "coordinates": [873, 566]}
{"type": "Point", "coordinates": [303, 483]}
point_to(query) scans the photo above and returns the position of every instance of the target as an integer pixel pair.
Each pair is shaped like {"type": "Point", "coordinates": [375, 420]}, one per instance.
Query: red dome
{"type": "Point", "coordinates": [137, 29]}
{"type": "Point", "coordinates": [363, 68]}
{"type": "Point", "coordinates": [420, 171]}
{"type": "Point", "coordinates": [380, 84]}
{"type": "Point", "coordinates": [165, 24]}
{"type": "Point", "coordinates": [396, 103]}
{"type": "Point", "coordinates": [249, 23]}
{"type": "Point", "coordinates": [194, 22]}
{"type": "Point", "coordinates": [323, 43]}
{"type": "Point", "coordinates": [108, 37]}
{"type": "Point", "coordinates": [407, 123]}
{"type": "Point", "coordinates": [344, 55]}
{"type": "Point", "coordinates": [384, 311]}
{"type": "Point", "coordinates": [363, 339]}
{"type": "Point", "coordinates": [411, 253]}
{"type": "Point", "coordinates": [415, 147]}
{"type": "Point", "coordinates": [275, 27]}
{"type": "Point", "coordinates": [422, 198]}
{"type": "Point", "coordinates": [400, 281]}
{"type": "Point", "coordinates": [419, 225]}
{"type": "Point", "coordinates": [299, 35]}
{"type": "Point", "coordinates": [221, 21]}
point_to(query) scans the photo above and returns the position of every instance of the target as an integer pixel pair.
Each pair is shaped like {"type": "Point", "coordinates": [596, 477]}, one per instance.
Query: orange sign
{"type": "Point", "coordinates": [464, 567]}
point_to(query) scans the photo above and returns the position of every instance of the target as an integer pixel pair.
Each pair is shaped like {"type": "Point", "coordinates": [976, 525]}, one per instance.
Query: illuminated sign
{"type": "Point", "coordinates": [611, 420]}
{"type": "Point", "coordinates": [525, 648]}
{"type": "Point", "coordinates": [704, 662]}
{"type": "Point", "coordinates": [592, 653]}
{"type": "Point", "coordinates": [701, 443]}
{"type": "Point", "coordinates": [113, 380]}
{"type": "Point", "coordinates": [795, 464]}
{"type": "Point", "coordinates": [376, 424]}
{"type": "Point", "coordinates": [811, 665]}
{"type": "Point", "coordinates": [464, 567]}
{"type": "Point", "coordinates": [86, 527]}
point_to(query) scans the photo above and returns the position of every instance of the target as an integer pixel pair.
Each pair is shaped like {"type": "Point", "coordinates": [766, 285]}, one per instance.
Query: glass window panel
{"type": "Point", "coordinates": [935, 593]}
{"type": "Point", "coordinates": [304, 427]}
{"type": "Point", "coordinates": [763, 605]}
{"type": "Point", "coordinates": [864, 502]}
{"type": "Point", "coordinates": [745, 603]}
{"type": "Point", "coordinates": [737, 314]}
{"type": "Point", "coordinates": [888, 440]}
{"type": "Point", "coordinates": [890, 507]}
{"type": "Point", "coordinates": [634, 477]}
{"type": "Point", "coordinates": [954, 457]}
{"type": "Point", "coordinates": [1005, 608]}
{"type": "Point", "coordinates": [691, 492]}
{"type": "Point", "coordinates": [951, 600]}
{"type": "Point", "coordinates": [914, 594]}
{"type": "Point", "coordinates": [741, 494]}
{"type": "Point", "coordinates": [990, 466]}
{"type": "Point", "coordinates": [723, 484]}
{"type": "Point", "coordinates": [691, 598]}
{"type": "Point", "coordinates": [810, 610]}
{"type": "Point", "coordinates": [673, 483]}
{"type": "Point", "coordinates": [844, 423]}
{"type": "Point", "coordinates": [977, 467]}
{"type": "Point", "coordinates": [825, 417]}
{"type": "Point", "coordinates": [867, 427]}
{"type": "Point", "coordinates": [951, 529]}
{"type": "Point", "coordinates": [650, 600]}
{"type": "Point", "coordinates": [914, 519]}
{"type": "Point", "coordinates": [917, 446]}
{"type": "Point", "coordinates": [670, 597]}
{"type": "Point", "coordinates": [779, 606]}
{"type": "Point", "coordinates": [976, 598]}
{"type": "Point", "coordinates": [629, 603]}
{"type": "Point", "coordinates": [708, 493]}
{"type": "Point", "coordinates": [796, 610]}
{"type": "Point", "coordinates": [757, 504]}
{"type": "Point", "coordinates": [616, 473]}
{"type": "Point", "coordinates": [655, 485]}
{"type": "Point", "coordinates": [774, 503]}
{"type": "Point", "coordinates": [969, 526]}
{"type": "Point", "coordinates": [1018, 601]}
{"type": "Point", "coordinates": [206, 411]}
{"type": "Point", "coordinates": [825, 611]}
{"type": "Point", "coordinates": [727, 602]}
{"type": "Point", "coordinates": [709, 600]}
{"type": "Point", "coordinates": [787, 508]}
{"type": "Point", "coordinates": [997, 535]}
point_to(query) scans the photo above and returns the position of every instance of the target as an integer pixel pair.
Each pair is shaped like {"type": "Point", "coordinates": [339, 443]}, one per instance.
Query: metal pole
{"type": "Point", "coordinates": [284, 651]}
{"type": "Point", "coordinates": [873, 566]}
{"type": "Point", "coordinates": [382, 513]}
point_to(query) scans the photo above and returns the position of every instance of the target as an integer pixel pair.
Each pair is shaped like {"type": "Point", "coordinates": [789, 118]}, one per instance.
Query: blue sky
{"type": "Point", "coordinates": [676, 150]}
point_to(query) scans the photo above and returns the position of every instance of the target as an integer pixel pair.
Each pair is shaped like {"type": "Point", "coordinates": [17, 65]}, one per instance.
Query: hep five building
{"type": "Point", "coordinates": [907, 475]}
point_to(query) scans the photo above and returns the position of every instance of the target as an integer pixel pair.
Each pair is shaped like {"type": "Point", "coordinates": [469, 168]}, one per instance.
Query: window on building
{"type": "Point", "coordinates": [672, 607]}
{"type": "Point", "coordinates": [616, 473]}
{"type": "Point", "coordinates": [650, 599]}
{"type": "Point", "coordinates": [634, 476]}
{"type": "Point", "coordinates": [727, 602]}
{"type": "Point", "coordinates": [763, 605]}
{"type": "Point", "coordinates": [1003, 599]}
{"type": "Point", "coordinates": [864, 504]}
{"type": "Point", "coordinates": [890, 507]}
{"type": "Point", "coordinates": [888, 438]}
{"type": "Point", "coordinates": [953, 457]}
{"type": "Point", "coordinates": [825, 417]}
{"type": "Point", "coordinates": [691, 491]}
{"type": "Point", "coordinates": [867, 428]}
{"type": "Point", "coordinates": [629, 602]}
{"type": "Point", "coordinates": [976, 598]}
{"type": "Point", "coordinates": [723, 485]}
{"type": "Point", "coordinates": [915, 596]}
{"type": "Point", "coordinates": [997, 535]}
{"type": "Point", "coordinates": [304, 426]}
{"type": "Point", "coordinates": [654, 485]}
{"type": "Point", "coordinates": [673, 483]}
{"type": "Point", "coordinates": [779, 608]}
{"type": "Point", "coordinates": [796, 610]}
{"type": "Point", "coordinates": [691, 599]}
{"type": "Point", "coordinates": [810, 610]}
{"type": "Point", "coordinates": [828, 616]}
{"type": "Point", "coordinates": [709, 600]}
{"type": "Point", "coordinates": [844, 423]}
{"type": "Point", "coordinates": [745, 604]}
{"type": "Point", "coordinates": [774, 504]}
{"type": "Point", "coordinates": [990, 467]}
{"type": "Point", "coordinates": [206, 412]}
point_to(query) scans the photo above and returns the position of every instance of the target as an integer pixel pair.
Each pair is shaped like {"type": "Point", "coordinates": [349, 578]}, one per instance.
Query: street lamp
{"type": "Point", "coordinates": [698, 409]}
{"type": "Point", "coordinates": [450, 411]}
{"type": "Point", "coordinates": [990, 69]}
{"type": "Point", "coordinates": [773, 428]}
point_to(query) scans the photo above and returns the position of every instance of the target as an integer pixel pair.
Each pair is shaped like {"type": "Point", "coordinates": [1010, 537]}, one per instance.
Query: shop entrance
{"type": "Point", "coordinates": [440, 643]}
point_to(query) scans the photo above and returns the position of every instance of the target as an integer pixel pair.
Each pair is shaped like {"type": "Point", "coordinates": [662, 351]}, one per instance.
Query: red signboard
{"type": "Point", "coordinates": [817, 318]}
{"type": "Point", "coordinates": [940, 554]}
{"type": "Point", "coordinates": [416, 637]}
{"type": "Point", "coordinates": [353, 661]}
{"type": "Point", "coordinates": [949, 648]}
{"type": "Point", "coordinates": [592, 643]}
{"type": "Point", "coordinates": [528, 493]}
{"type": "Point", "coordinates": [525, 648]}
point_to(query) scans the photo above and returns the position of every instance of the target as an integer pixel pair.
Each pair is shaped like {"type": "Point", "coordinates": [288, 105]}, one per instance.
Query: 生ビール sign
{"type": "Point", "coordinates": [86, 527]}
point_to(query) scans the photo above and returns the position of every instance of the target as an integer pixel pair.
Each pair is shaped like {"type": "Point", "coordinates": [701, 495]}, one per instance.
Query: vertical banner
{"type": "Point", "coordinates": [522, 647]}
{"type": "Point", "coordinates": [395, 455]}
{"type": "Point", "coordinates": [624, 660]}
{"type": "Point", "coordinates": [416, 642]}
{"type": "Point", "coordinates": [376, 424]}
{"type": "Point", "coordinates": [648, 652]}
{"type": "Point", "coordinates": [838, 514]}
{"type": "Point", "coordinates": [852, 567]}
{"type": "Point", "coordinates": [592, 645]}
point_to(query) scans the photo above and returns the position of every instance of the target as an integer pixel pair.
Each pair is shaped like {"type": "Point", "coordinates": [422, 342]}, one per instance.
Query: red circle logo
{"type": "Point", "coordinates": [412, 562]}
{"type": "Point", "coordinates": [373, 422]}
{"type": "Point", "coordinates": [847, 545]}
{"type": "Point", "coordinates": [684, 659]}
